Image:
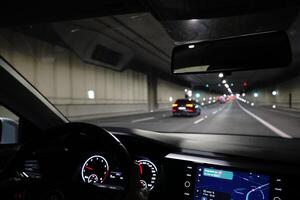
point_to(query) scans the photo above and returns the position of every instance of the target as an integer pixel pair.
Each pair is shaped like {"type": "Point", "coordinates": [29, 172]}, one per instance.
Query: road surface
{"type": "Point", "coordinates": [231, 118]}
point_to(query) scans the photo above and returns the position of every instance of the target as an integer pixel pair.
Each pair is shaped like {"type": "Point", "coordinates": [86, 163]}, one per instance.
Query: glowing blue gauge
{"type": "Point", "coordinates": [95, 170]}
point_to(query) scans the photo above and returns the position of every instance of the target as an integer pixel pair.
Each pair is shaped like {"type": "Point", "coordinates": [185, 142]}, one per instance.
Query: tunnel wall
{"type": "Point", "coordinates": [165, 90]}
{"type": "Point", "coordinates": [288, 94]}
{"type": "Point", "coordinates": [61, 76]}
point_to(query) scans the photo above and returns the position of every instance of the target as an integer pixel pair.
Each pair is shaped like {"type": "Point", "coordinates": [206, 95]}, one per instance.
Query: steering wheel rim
{"type": "Point", "coordinates": [66, 133]}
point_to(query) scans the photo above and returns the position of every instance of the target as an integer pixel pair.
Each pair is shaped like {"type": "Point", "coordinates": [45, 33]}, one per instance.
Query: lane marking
{"type": "Point", "coordinates": [199, 120]}
{"type": "Point", "coordinates": [267, 124]}
{"type": "Point", "coordinates": [215, 112]}
{"type": "Point", "coordinates": [143, 119]}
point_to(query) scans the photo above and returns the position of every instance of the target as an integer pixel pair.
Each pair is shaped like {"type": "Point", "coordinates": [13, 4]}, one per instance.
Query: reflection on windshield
{"type": "Point", "coordinates": [115, 72]}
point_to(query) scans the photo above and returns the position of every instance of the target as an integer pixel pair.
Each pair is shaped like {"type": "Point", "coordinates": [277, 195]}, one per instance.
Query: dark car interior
{"type": "Point", "coordinates": [54, 158]}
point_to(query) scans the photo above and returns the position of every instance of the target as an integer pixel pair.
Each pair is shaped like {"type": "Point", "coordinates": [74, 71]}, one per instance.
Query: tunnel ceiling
{"type": "Point", "coordinates": [145, 44]}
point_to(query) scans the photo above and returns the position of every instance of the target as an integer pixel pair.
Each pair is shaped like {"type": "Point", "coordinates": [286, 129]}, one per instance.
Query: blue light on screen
{"type": "Point", "coordinates": [218, 184]}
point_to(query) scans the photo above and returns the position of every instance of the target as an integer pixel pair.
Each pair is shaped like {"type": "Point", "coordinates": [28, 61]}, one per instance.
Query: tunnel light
{"type": "Point", "coordinates": [209, 102]}
{"type": "Point", "coordinates": [214, 101]}
{"type": "Point", "coordinates": [197, 95]}
{"type": "Point", "coordinates": [226, 85]}
{"type": "Point", "coordinates": [231, 84]}
{"type": "Point", "coordinates": [224, 81]}
{"type": "Point", "coordinates": [191, 46]}
{"type": "Point", "coordinates": [221, 75]}
{"type": "Point", "coordinates": [74, 30]}
{"type": "Point", "coordinates": [171, 99]}
{"type": "Point", "coordinates": [243, 94]}
{"type": "Point", "coordinates": [252, 104]}
{"type": "Point", "coordinates": [204, 99]}
{"type": "Point", "coordinates": [255, 94]}
{"type": "Point", "coordinates": [207, 85]}
{"type": "Point", "coordinates": [189, 93]}
{"type": "Point", "coordinates": [274, 93]}
{"type": "Point", "coordinates": [91, 94]}
{"type": "Point", "coordinates": [202, 104]}
{"type": "Point", "coordinates": [274, 106]}
{"type": "Point", "coordinates": [210, 98]}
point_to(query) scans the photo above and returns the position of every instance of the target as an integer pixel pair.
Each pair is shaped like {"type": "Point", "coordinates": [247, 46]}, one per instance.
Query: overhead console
{"type": "Point", "coordinates": [200, 178]}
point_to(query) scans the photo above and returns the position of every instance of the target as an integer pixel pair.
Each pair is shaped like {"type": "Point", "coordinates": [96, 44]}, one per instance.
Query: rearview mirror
{"type": "Point", "coordinates": [256, 51]}
{"type": "Point", "coordinates": [9, 133]}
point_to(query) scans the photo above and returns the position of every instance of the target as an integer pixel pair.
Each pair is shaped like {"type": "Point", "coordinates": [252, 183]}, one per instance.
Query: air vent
{"type": "Point", "coordinates": [106, 55]}
{"type": "Point", "coordinates": [31, 169]}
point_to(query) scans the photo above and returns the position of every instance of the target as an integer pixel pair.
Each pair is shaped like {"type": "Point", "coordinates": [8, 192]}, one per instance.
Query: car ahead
{"type": "Point", "coordinates": [186, 107]}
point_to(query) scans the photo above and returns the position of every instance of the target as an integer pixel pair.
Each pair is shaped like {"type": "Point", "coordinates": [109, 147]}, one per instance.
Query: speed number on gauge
{"type": "Point", "coordinates": [147, 173]}
{"type": "Point", "coordinates": [95, 170]}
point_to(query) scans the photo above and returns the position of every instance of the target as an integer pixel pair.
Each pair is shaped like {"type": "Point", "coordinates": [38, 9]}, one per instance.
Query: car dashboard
{"type": "Point", "coordinates": [181, 166]}
{"type": "Point", "coordinates": [189, 173]}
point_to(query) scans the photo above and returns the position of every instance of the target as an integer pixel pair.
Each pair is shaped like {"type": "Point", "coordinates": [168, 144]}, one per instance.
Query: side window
{"type": "Point", "coordinates": [9, 128]}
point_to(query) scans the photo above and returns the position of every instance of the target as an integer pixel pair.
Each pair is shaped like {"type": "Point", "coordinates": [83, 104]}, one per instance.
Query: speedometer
{"type": "Point", "coordinates": [95, 169]}
{"type": "Point", "coordinates": [148, 174]}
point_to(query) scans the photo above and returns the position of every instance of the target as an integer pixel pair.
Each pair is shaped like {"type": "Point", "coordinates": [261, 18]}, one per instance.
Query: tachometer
{"type": "Point", "coordinates": [148, 174]}
{"type": "Point", "coordinates": [95, 169]}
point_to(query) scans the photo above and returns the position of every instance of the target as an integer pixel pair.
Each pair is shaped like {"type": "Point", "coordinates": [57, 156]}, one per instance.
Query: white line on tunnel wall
{"type": "Point", "coordinates": [284, 113]}
{"type": "Point", "coordinates": [199, 120]}
{"type": "Point", "coordinates": [268, 125]}
{"type": "Point", "coordinates": [143, 119]}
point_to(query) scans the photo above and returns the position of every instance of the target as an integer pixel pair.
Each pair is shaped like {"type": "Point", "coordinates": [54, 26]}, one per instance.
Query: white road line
{"type": "Point", "coordinates": [141, 120]}
{"type": "Point", "coordinates": [199, 120]}
{"type": "Point", "coordinates": [215, 112]}
{"type": "Point", "coordinates": [267, 124]}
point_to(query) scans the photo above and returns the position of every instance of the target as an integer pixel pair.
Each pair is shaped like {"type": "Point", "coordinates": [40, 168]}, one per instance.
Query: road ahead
{"type": "Point", "coordinates": [230, 118]}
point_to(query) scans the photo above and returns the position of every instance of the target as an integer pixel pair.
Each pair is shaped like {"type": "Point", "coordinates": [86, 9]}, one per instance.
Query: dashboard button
{"type": "Point", "coordinates": [276, 198]}
{"type": "Point", "coordinates": [187, 184]}
{"type": "Point", "coordinates": [186, 194]}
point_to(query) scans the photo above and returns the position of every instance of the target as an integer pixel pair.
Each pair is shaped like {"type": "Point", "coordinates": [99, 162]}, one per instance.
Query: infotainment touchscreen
{"type": "Point", "coordinates": [223, 184]}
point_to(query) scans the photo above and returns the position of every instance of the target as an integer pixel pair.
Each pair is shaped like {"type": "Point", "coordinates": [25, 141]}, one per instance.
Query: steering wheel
{"type": "Point", "coordinates": [59, 152]}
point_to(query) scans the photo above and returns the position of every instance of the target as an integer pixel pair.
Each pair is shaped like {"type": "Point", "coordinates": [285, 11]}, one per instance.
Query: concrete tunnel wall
{"type": "Point", "coordinates": [65, 80]}
{"type": "Point", "coordinates": [288, 94]}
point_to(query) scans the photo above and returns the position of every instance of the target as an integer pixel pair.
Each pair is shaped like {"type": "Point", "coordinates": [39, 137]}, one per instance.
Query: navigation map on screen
{"type": "Point", "coordinates": [218, 184]}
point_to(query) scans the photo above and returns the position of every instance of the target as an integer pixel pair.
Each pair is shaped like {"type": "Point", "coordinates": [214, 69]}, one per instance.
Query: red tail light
{"type": "Point", "coordinates": [190, 110]}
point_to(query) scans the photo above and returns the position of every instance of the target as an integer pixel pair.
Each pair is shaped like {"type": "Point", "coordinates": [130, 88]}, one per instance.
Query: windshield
{"type": "Point", "coordinates": [115, 71]}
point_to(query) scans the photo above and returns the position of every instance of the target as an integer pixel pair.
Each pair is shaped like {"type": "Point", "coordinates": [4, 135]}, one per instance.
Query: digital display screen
{"type": "Point", "coordinates": [219, 184]}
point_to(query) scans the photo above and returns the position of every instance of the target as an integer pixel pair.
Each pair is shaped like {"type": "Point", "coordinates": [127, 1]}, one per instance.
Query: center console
{"type": "Point", "coordinates": [200, 178]}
